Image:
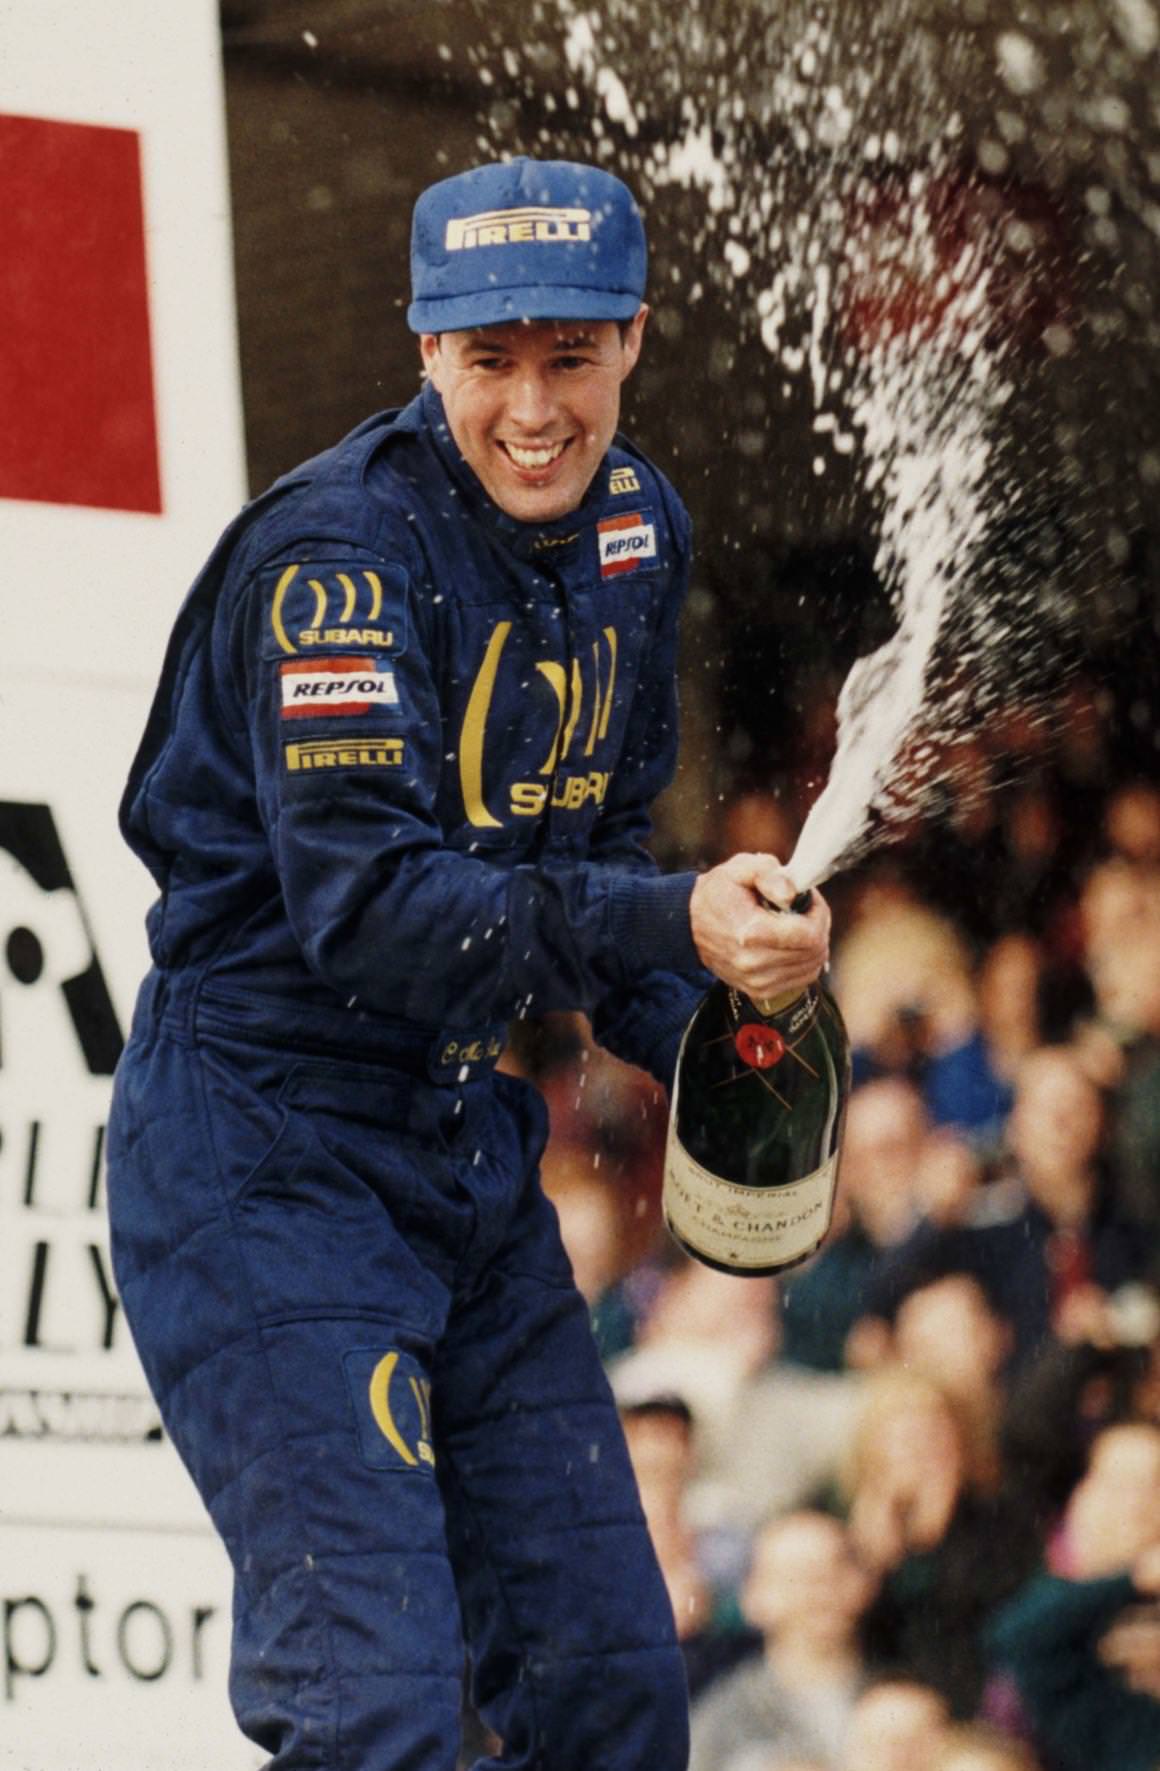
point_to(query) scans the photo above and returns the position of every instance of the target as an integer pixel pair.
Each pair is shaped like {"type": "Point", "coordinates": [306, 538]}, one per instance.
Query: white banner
{"type": "Point", "coordinates": [120, 461]}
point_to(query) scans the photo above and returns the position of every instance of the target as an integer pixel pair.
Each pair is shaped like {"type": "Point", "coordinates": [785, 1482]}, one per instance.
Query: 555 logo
{"type": "Point", "coordinates": [54, 1000]}
{"type": "Point", "coordinates": [59, 1044]}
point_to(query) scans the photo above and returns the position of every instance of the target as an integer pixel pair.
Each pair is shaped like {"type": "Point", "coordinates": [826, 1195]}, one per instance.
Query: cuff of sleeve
{"type": "Point", "coordinates": [649, 918]}
{"type": "Point", "coordinates": [664, 1063]}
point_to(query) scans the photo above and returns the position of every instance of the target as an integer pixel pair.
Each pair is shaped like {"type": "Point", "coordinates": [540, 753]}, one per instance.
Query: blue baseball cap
{"type": "Point", "coordinates": [525, 240]}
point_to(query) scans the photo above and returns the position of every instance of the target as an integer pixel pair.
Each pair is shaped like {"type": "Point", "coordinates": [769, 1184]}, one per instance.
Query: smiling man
{"type": "Point", "coordinates": [533, 406]}
{"type": "Point", "coordinates": [395, 792]}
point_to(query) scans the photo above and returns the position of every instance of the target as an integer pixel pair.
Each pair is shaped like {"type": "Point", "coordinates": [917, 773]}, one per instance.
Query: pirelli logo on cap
{"type": "Point", "coordinates": [343, 753]}
{"type": "Point", "coordinates": [512, 227]}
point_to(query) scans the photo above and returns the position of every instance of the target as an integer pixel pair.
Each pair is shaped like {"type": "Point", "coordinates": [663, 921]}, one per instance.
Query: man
{"type": "Point", "coordinates": [395, 792]}
{"type": "Point", "coordinates": [806, 1591]}
{"type": "Point", "coordinates": [898, 1724]}
{"type": "Point", "coordinates": [1080, 1647]}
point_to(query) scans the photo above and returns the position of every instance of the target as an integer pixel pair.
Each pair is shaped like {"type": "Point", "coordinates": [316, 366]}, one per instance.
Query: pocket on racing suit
{"type": "Point", "coordinates": [529, 1244]}
{"type": "Point", "coordinates": [341, 1180]}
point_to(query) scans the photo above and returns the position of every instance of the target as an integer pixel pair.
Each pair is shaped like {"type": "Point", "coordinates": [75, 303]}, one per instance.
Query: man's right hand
{"type": "Point", "coordinates": [743, 942]}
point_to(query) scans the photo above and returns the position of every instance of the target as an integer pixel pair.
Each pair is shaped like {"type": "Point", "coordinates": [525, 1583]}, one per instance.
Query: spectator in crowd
{"type": "Point", "coordinates": [1061, 1251]}
{"type": "Point", "coordinates": [605, 1115]}
{"type": "Point", "coordinates": [762, 1760]}
{"type": "Point", "coordinates": [1118, 896]}
{"type": "Point", "coordinates": [1132, 1645]}
{"type": "Point", "coordinates": [919, 1001]}
{"type": "Point", "coordinates": [916, 1006]}
{"type": "Point", "coordinates": [1010, 987]}
{"type": "Point", "coordinates": [659, 1432]}
{"type": "Point", "coordinates": [1030, 878]}
{"type": "Point", "coordinates": [1117, 899]}
{"type": "Point", "coordinates": [1065, 1394]}
{"type": "Point", "coordinates": [806, 1592]}
{"type": "Point", "coordinates": [1132, 823]}
{"type": "Point", "coordinates": [705, 1336]}
{"type": "Point", "coordinates": [1126, 973]}
{"type": "Point", "coordinates": [886, 1128]}
{"type": "Point", "coordinates": [974, 1746]}
{"type": "Point", "coordinates": [902, 975]}
{"type": "Point", "coordinates": [949, 1331]}
{"type": "Point", "coordinates": [967, 1084]}
{"type": "Point", "coordinates": [591, 1213]}
{"type": "Point", "coordinates": [1081, 1646]}
{"type": "Point", "coordinates": [751, 822]}
{"type": "Point", "coordinates": [791, 1435]}
{"type": "Point", "coordinates": [1114, 1513]}
{"type": "Point", "coordinates": [946, 1548]}
{"type": "Point", "coordinates": [1076, 756]}
{"type": "Point", "coordinates": [661, 1435]}
{"type": "Point", "coordinates": [897, 1725]}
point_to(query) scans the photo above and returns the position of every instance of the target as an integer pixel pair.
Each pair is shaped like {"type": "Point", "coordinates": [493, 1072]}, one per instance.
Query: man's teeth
{"type": "Point", "coordinates": [534, 458]}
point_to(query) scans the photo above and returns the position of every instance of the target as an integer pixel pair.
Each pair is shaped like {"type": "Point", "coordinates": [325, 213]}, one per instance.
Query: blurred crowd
{"type": "Point", "coordinates": [907, 1496]}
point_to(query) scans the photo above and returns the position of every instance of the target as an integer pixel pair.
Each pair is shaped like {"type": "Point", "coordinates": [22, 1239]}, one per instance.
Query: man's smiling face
{"type": "Point", "coordinates": [534, 405]}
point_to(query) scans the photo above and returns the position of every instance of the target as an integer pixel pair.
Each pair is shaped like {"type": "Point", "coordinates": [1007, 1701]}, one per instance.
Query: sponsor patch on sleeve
{"type": "Point", "coordinates": [318, 606]}
{"type": "Point", "coordinates": [626, 543]}
{"type": "Point", "coordinates": [310, 755]}
{"type": "Point", "coordinates": [326, 686]}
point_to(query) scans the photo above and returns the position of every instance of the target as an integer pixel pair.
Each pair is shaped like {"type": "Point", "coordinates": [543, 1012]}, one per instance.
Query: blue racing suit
{"type": "Point", "coordinates": [394, 790]}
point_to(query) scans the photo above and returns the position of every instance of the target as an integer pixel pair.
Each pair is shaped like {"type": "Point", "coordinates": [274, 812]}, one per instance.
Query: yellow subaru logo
{"type": "Point", "coordinates": [392, 1404]}
{"type": "Point", "coordinates": [331, 605]}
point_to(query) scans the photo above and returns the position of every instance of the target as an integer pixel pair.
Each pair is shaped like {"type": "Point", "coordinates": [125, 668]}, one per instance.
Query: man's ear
{"type": "Point", "coordinates": [631, 343]}
{"type": "Point", "coordinates": [432, 357]}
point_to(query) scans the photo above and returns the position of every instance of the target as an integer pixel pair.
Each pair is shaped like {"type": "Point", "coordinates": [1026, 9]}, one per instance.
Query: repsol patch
{"type": "Point", "coordinates": [626, 543]}
{"type": "Point", "coordinates": [319, 687]}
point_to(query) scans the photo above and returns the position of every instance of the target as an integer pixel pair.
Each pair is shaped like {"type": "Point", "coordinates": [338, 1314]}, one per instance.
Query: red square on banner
{"type": "Point", "coordinates": [77, 422]}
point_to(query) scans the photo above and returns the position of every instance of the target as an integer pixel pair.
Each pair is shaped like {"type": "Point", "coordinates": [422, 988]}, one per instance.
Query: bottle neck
{"type": "Point", "coordinates": [776, 1005]}
{"type": "Point", "coordinates": [766, 1006]}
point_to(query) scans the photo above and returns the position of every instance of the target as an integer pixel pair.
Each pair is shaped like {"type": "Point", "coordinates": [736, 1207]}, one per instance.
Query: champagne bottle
{"type": "Point", "coordinates": [757, 1114]}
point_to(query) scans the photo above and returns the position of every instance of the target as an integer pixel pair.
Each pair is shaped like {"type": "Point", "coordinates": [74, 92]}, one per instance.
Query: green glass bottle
{"type": "Point", "coordinates": [756, 1121]}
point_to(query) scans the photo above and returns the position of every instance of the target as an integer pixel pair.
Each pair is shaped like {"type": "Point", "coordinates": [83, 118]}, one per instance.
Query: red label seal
{"type": "Point", "coordinates": [759, 1046]}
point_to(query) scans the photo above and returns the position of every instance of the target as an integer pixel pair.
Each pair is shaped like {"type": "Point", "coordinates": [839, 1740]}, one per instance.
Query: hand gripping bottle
{"type": "Point", "coordinates": [758, 1109]}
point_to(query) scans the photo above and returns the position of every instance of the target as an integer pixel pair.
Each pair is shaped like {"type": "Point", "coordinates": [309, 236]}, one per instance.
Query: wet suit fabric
{"type": "Point", "coordinates": [394, 791]}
